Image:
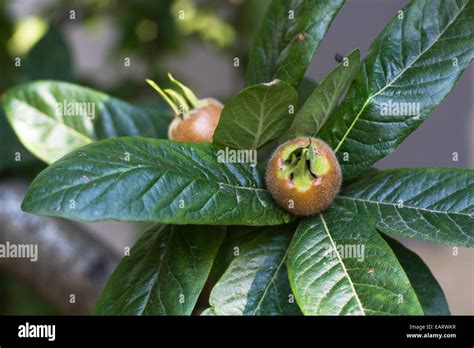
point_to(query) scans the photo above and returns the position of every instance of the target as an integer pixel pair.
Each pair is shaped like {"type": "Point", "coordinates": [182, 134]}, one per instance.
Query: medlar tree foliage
{"type": "Point", "coordinates": [216, 222]}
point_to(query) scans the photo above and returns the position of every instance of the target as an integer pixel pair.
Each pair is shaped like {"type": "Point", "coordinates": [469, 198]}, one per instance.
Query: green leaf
{"type": "Point", "coordinates": [324, 99]}
{"type": "Point", "coordinates": [256, 115]}
{"type": "Point", "coordinates": [427, 289]}
{"type": "Point", "coordinates": [52, 119]}
{"type": "Point", "coordinates": [287, 41]}
{"type": "Point", "coordinates": [434, 204]}
{"type": "Point", "coordinates": [305, 89]}
{"type": "Point", "coordinates": [208, 312]}
{"type": "Point", "coordinates": [140, 179]}
{"type": "Point", "coordinates": [340, 265]}
{"type": "Point", "coordinates": [13, 156]}
{"type": "Point", "coordinates": [415, 62]}
{"type": "Point", "coordinates": [256, 281]}
{"type": "Point", "coordinates": [164, 273]}
{"type": "Point", "coordinates": [236, 237]}
{"type": "Point", "coordinates": [50, 58]}
{"type": "Point", "coordinates": [20, 299]}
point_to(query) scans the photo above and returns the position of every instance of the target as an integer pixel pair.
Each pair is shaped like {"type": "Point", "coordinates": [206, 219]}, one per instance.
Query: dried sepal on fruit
{"type": "Point", "coordinates": [303, 176]}
{"type": "Point", "coordinates": [195, 119]}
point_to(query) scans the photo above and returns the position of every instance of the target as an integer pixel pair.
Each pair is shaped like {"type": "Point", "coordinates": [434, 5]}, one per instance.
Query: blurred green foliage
{"type": "Point", "coordinates": [6, 64]}
{"type": "Point", "coordinates": [147, 30]}
{"type": "Point", "coordinates": [58, 65]}
{"type": "Point", "coordinates": [18, 299]}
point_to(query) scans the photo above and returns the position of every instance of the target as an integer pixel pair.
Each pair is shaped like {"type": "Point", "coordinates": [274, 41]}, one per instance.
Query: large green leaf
{"type": "Point", "coordinates": [256, 281]}
{"type": "Point", "coordinates": [141, 179]}
{"type": "Point", "coordinates": [13, 156]}
{"type": "Point", "coordinates": [435, 204]}
{"type": "Point", "coordinates": [51, 118]}
{"type": "Point", "coordinates": [415, 62]}
{"type": "Point", "coordinates": [164, 273]}
{"type": "Point", "coordinates": [340, 265]}
{"type": "Point", "coordinates": [291, 32]}
{"type": "Point", "coordinates": [236, 237]}
{"type": "Point", "coordinates": [305, 89]}
{"type": "Point", "coordinates": [427, 289]}
{"type": "Point", "coordinates": [256, 115]}
{"type": "Point", "coordinates": [324, 99]}
{"type": "Point", "coordinates": [50, 58]}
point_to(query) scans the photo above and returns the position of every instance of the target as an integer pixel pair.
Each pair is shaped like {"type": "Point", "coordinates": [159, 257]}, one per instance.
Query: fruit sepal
{"type": "Point", "coordinates": [182, 102]}
{"type": "Point", "coordinates": [302, 165]}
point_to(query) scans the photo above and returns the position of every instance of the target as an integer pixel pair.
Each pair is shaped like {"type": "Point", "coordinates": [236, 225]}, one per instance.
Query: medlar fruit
{"type": "Point", "coordinates": [195, 119]}
{"type": "Point", "coordinates": [303, 176]}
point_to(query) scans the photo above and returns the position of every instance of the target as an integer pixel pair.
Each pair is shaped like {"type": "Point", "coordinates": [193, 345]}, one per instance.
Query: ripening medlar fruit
{"type": "Point", "coordinates": [193, 122]}
{"type": "Point", "coordinates": [198, 124]}
{"type": "Point", "coordinates": [303, 176]}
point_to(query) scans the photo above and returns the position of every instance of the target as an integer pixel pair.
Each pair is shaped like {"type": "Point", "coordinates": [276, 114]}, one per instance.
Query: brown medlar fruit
{"type": "Point", "coordinates": [195, 119]}
{"type": "Point", "coordinates": [303, 176]}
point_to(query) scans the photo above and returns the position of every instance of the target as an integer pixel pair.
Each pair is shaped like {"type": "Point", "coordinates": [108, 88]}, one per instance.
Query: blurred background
{"type": "Point", "coordinates": [88, 42]}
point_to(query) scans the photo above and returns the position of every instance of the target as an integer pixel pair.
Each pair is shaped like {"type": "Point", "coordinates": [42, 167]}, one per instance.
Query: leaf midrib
{"type": "Point", "coordinates": [55, 121]}
{"type": "Point", "coordinates": [335, 95]}
{"type": "Point", "coordinates": [155, 274]}
{"type": "Point", "coordinates": [272, 281]}
{"type": "Point", "coordinates": [158, 271]}
{"type": "Point", "coordinates": [206, 181]}
{"type": "Point", "coordinates": [258, 134]}
{"type": "Point", "coordinates": [369, 99]}
{"type": "Point", "coordinates": [404, 206]}
{"type": "Point", "coordinates": [342, 264]}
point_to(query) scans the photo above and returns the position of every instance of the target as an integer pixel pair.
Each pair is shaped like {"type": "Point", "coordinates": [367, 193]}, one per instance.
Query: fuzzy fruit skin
{"type": "Point", "coordinates": [320, 193]}
{"type": "Point", "coordinates": [198, 125]}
